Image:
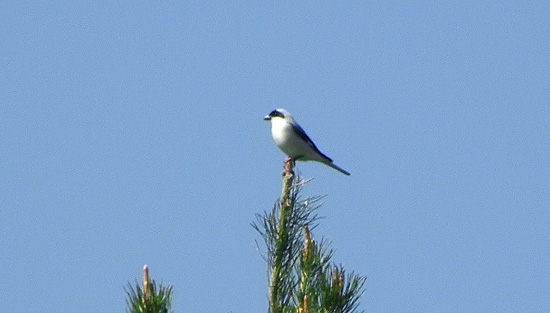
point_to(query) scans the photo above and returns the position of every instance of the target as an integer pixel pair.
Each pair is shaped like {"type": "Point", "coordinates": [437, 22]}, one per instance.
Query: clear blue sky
{"type": "Point", "coordinates": [131, 133]}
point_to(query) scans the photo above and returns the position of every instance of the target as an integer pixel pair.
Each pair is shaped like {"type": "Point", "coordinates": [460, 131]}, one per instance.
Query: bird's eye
{"type": "Point", "coordinates": [275, 113]}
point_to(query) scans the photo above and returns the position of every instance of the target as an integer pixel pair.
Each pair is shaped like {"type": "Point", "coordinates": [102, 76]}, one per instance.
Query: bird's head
{"type": "Point", "coordinates": [279, 113]}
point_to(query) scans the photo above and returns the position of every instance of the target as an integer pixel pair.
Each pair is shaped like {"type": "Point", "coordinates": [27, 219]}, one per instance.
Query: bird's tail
{"type": "Point", "coordinates": [334, 166]}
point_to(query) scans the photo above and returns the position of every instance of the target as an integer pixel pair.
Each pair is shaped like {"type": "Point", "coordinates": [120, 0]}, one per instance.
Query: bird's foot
{"type": "Point", "coordinates": [289, 165]}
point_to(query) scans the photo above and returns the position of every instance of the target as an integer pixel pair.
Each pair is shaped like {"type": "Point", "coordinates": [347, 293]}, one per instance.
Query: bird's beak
{"type": "Point", "coordinates": [267, 118]}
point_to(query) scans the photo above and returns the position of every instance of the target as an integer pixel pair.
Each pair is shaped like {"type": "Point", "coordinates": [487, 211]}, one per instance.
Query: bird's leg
{"type": "Point", "coordinates": [289, 165]}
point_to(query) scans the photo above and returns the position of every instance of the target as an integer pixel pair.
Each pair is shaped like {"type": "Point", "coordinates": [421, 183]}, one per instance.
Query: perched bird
{"type": "Point", "coordinates": [294, 141]}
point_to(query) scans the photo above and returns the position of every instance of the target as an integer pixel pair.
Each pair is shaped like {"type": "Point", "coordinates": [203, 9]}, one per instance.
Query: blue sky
{"type": "Point", "coordinates": [131, 133]}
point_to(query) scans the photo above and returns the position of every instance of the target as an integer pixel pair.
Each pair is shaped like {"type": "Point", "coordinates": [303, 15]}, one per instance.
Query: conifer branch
{"type": "Point", "coordinates": [301, 276]}
{"type": "Point", "coordinates": [149, 299]}
{"type": "Point", "coordinates": [281, 256]}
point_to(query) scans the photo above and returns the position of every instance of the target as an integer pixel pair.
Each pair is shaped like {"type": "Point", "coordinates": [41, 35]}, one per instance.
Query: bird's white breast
{"type": "Point", "coordinates": [280, 131]}
{"type": "Point", "coordinates": [289, 142]}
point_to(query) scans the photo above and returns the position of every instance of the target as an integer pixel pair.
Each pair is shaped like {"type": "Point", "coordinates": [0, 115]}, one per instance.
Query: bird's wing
{"type": "Point", "coordinates": [302, 134]}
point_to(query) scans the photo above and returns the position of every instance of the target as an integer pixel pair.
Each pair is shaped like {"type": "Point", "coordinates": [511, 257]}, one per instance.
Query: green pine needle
{"type": "Point", "coordinates": [157, 300]}
{"type": "Point", "coordinates": [301, 273]}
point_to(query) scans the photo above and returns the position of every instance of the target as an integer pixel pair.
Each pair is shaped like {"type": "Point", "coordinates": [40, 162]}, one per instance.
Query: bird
{"type": "Point", "coordinates": [291, 138]}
